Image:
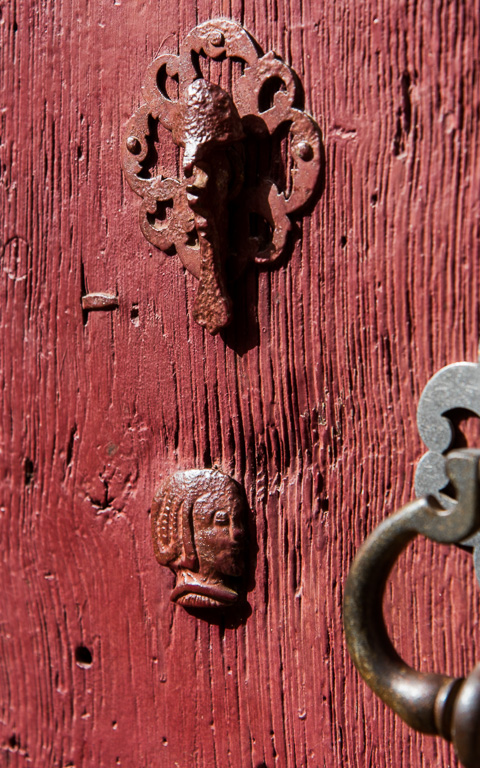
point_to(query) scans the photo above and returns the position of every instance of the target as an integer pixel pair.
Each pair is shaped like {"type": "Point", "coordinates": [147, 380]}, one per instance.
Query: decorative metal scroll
{"type": "Point", "coordinates": [227, 208]}
{"type": "Point", "coordinates": [456, 386]}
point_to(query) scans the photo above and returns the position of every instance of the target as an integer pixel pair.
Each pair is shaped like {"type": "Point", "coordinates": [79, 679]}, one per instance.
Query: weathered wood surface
{"type": "Point", "coordinates": [314, 414]}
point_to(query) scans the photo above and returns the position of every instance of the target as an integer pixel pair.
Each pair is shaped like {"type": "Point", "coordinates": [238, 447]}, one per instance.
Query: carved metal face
{"type": "Point", "coordinates": [198, 529]}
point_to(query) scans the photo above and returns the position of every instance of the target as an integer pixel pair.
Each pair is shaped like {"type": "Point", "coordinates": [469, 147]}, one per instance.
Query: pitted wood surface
{"type": "Point", "coordinates": [312, 408]}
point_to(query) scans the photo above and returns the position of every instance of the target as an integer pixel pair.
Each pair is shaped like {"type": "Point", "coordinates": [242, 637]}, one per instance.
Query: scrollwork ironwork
{"type": "Point", "coordinates": [221, 195]}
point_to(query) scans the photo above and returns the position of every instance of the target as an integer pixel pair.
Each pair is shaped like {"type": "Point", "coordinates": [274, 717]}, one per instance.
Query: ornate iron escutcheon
{"type": "Point", "coordinates": [228, 207]}
{"type": "Point", "coordinates": [431, 703]}
{"type": "Point", "coordinates": [198, 530]}
{"type": "Point", "coordinates": [454, 387]}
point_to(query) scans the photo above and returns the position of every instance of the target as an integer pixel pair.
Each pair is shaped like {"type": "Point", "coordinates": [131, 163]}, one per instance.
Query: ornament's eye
{"type": "Point", "coordinates": [221, 517]}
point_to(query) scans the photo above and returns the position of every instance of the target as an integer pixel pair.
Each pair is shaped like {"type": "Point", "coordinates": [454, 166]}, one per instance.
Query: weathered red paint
{"type": "Point", "coordinates": [308, 400]}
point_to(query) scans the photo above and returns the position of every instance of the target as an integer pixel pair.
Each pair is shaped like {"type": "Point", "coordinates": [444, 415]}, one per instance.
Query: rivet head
{"type": "Point", "coordinates": [216, 38]}
{"type": "Point", "coordinates": [305, 151]}
{"type": "Point", "coordinates": [133, 145]}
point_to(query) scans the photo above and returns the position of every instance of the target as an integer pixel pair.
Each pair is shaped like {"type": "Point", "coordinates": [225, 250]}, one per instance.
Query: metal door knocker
{"type": "Point", "coordinates": [431, 703]}
{"type": "Point", "coordinates": [198, 531]}
{"type": "Point", "coordinates": [228, 207]}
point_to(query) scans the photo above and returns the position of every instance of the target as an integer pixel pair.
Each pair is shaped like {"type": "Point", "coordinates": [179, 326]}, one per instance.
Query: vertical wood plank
{"type": "Point", "coordinates": [315, 416]}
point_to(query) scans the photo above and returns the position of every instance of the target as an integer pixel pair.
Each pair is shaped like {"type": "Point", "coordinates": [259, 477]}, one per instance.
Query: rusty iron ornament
{"type": "Point", "coordinates": [208, 221]}
{"type": "Point", "coordinates": [198, 531]}
{"type": "Point", "coordinates": [430, 703]}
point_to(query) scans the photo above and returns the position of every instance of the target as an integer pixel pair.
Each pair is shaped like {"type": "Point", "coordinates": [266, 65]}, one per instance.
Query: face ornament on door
{"type": "Point", "coordinates": [228, 207]}
{"type": "Point", "coordinates": [429, 702]}
{"type": "Point", "coordinates": [198, 530]}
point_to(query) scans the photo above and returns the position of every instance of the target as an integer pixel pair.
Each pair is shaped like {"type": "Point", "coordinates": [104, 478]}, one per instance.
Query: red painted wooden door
{"type": "Point", "coordinates": [309, 400]}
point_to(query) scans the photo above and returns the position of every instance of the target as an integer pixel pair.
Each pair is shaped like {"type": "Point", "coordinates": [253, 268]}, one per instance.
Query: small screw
{"type": "Point", "coordinates": [133, 145]}
{"type": "Point", "coordinates": [216, 38]}
{"type": "Point", "coordinates": [305, 151]}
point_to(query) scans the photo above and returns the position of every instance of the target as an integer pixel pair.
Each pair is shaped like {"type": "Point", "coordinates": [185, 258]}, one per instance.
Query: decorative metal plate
{"type": "Point", "coordinates": [453, 387]}
{"type": "Point", "coordinates": [227, 208]}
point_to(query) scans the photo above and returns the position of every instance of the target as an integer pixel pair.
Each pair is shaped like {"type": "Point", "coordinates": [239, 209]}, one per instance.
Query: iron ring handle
{"type": "Point", "coordinates": [429, 702]}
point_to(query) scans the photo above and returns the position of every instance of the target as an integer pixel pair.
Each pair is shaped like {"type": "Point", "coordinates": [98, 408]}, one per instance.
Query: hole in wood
{"type": "Point", "coordinates": [13, 742]}
{"type": "Point", "coordinates": [134, 315]}
{"type": "Point", "coordinates": [83, 657]}
{"type": "Point", "coordinates": [28, 468]}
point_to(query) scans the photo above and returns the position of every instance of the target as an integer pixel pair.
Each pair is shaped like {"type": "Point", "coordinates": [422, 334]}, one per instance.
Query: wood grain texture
{"type": "Point", "coordinates": [314, 412]}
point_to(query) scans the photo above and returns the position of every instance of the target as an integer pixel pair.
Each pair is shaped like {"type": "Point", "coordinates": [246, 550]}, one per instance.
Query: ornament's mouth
{"type": "Point", "coordinates": [208, 595]}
